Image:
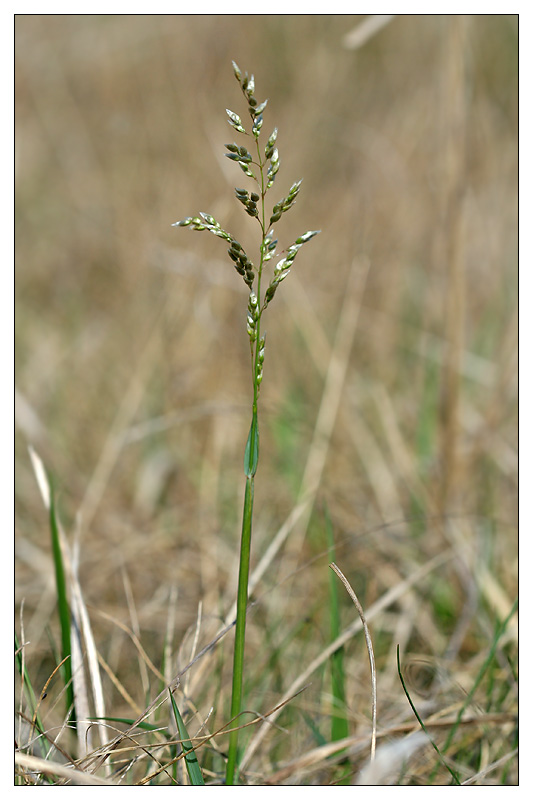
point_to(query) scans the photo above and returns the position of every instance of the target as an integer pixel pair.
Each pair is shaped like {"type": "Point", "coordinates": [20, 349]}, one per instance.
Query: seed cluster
{"type": "Point", "coordinates": [262, 169]}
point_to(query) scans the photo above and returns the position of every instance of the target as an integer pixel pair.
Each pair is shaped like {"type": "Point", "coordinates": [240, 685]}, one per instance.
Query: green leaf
{"type": "Point", "coordinates": [144, 726]}
{"type": "Point", "coordinates": [251, 453]}
{"type": "Point", "coordinates": [419, 718]}
{"type": "Point", "coordinates": [191, 762]}
{"type": "Point", "coordinates": [62, 599]}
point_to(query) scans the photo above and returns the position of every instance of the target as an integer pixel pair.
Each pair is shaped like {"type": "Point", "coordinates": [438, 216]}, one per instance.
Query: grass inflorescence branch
{"type": "Point", "coordinates": [261, 165]}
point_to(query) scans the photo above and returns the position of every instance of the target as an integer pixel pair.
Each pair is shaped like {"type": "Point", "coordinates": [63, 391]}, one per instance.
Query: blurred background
{"type": "Point", "coordinates": [389, 392]}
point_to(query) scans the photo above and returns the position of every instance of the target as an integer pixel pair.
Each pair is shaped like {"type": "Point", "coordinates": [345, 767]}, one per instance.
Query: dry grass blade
{"type": "Point", "coordinates": [361, 34]}
{"type": "Point", "coordinates": [73, 776]}
{"type": "Point", "coordinates": [144, 657]}
{"type": "Point", "coordinates": [371, 658]}
{"type": "Point", "coordinates": [80, 610]}
{"type": "Point", "coordinates": [119, 687]}
{"type": "Point", "coordinates": [490, 768]}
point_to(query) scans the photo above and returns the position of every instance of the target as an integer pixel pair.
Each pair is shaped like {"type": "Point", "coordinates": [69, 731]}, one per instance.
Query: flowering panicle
{"type": "Point", "coordinates": [262, 169]}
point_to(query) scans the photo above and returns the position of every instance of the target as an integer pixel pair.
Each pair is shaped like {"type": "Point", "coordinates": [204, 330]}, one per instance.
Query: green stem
{"type": "Point", "coordinates": [240, 628]}
{"type": "Point", "coordinates": [250, 466]}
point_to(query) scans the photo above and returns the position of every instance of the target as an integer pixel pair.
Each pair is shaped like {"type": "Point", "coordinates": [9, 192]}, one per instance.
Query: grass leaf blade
{"type": "Point", "coordinates": [191, 762]}
{"type": "Point", "coordinates": [419, 718]}
{"type": "Point", "coordinates": [62, 600]}
{"type": "Point", "coordinates": [251, 453]}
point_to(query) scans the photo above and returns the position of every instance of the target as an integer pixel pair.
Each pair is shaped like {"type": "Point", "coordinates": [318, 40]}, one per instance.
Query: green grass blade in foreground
{"type": "Point", "coordinates": [191, 762]}
{"type": "Point", "coordinates": [143, 726]}
{"type": "Point", "coordinates": [62, 602]}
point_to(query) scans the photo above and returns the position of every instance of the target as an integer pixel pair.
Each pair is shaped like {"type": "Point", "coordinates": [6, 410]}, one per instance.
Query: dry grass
{"type": "Point", "coordinates": [398, 415]}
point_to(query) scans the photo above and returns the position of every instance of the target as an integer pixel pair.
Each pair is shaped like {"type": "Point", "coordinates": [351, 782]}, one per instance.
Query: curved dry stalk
{"type": "Point", "coordinates": [390, 596]}
{"type": "Point", "coordinates": [371, 658]}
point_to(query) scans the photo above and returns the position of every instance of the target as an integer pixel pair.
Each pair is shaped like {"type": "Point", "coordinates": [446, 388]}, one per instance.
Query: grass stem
{"type": "Point", "coordinates": [240, 628]}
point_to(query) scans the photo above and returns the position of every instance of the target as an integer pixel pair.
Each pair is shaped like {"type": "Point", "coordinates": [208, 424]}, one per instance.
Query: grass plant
{"type": "Point", "coordinates": [262, 167]}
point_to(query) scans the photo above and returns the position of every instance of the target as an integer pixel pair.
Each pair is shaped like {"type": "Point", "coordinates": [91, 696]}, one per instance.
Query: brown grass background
{"type": "Point", "coordinates": [132, 360]}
